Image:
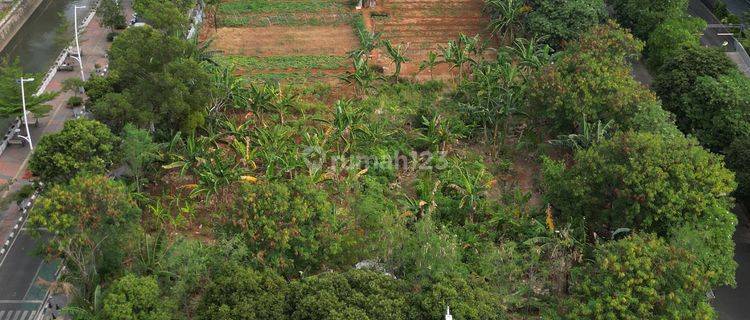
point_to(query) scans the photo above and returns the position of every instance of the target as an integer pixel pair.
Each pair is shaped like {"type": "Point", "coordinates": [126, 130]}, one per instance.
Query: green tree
{"type": "Point", "coordinates": [82, 146]}
{"type": "Point", "coordinates": [717, 110]}
{"type": "Point", "coordinates": [291, 226]}
{"type": "Point", "coordinates": [671, 36]}
{"type": "Point", "coordinates": [559, 21]}
{"type": "Point", "coordinates": [641, 181]}
{"type": "Point", "coordinates": [639, 277]}
{"type": "Point", "coordinates": [138, 150]}
{"type": "Point", "coordinates": [168, 16]}
{"type": "Point", "coordinates": [238, 293]}
{"type": "Point", "coordinates": [135, 298]}
{"type": "Point", "coordinates": [506, 16]}
{"type": "Point", "coordinates": [112, 14]}
{"type": "Point", "coordinates": [10, 92]}
{"type": "Point", "coordinates": [165, 87]}
{"type": "Point", "coordinates": [677, 76]}
{"type": "Point", "coordinates": [592, 80]}
{"type": "Point", "coordinates": [91, 216]}
{"type": "Point", "coordinates": [642, 16]}
{"type": "Point", "coordinates": [738, 160]}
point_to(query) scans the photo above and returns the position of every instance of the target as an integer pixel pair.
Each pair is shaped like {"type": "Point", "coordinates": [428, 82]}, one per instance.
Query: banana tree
{"type": "Point", "coordinates": [363, 75]}
{"type": "Point", "coordinates": [506, 16]}
{"type": "Point", "coordinates": [397, 55]}
{"type": "Point", "coordinates": [429, 64]}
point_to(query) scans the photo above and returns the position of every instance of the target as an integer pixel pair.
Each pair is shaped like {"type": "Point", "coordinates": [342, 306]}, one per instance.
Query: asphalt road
{"type": "Point", "coordinates": [737, 7]}
{"type": "Point", "coordinates": [19, 268]}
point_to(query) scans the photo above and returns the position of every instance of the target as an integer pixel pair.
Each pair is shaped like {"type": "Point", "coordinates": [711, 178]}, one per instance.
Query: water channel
{"type": "Point", "coordinates": [35, 45]}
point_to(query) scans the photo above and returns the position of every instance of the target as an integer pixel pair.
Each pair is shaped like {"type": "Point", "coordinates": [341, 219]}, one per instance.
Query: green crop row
{"type": "Point", "coordinates": [268, 6]}
{"type": "Point", "coordinates": [322, 62]}
{"type": "Point", "coordinates": [287, 19]}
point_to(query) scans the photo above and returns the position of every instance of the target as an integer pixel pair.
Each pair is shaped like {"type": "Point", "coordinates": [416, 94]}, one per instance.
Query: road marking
{"type": "Point", "coordinates": [25, 313]}
{"type": "Point", "coordinates": [2, 313]}
{"type": "Point", "coordinates": [33, 280]}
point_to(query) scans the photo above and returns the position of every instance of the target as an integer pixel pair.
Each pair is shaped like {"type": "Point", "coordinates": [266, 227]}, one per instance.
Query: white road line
{"type": "Point", "coordinates": [32, 315]}
{"type": "Point", "coordinates": [18, 315]}
{"type": "Point", "coordinates": [25, 314]}
{"type": "Point", "coordinates": [2, 313]}
{"type": "Point", "coordinates": [33, 280]}
{"type": "Point", "coordinates": [13, 315]}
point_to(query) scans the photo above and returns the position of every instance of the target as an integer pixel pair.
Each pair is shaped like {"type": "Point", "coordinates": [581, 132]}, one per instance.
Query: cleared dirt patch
{"type": "Point", "coordinates": [424, 25]}
{"type": "Point", "coordinates": [269, 41]}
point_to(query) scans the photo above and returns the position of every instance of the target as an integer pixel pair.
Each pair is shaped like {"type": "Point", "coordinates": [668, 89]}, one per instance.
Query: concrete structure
{"type": "Point", "coordinates": [15, 19]}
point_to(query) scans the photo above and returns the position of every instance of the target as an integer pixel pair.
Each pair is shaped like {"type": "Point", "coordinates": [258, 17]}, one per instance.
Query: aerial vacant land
{"type": "Point", "coordinates": [285, 40]}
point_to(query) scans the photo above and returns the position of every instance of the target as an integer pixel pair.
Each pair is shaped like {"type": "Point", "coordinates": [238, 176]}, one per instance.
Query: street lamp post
{"type": "Point", "coordinates": [78, 46]}
{"type": "Point", "coordinates": [25, 114]}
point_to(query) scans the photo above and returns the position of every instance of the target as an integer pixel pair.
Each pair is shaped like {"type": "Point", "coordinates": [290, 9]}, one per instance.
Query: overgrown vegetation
{"type": "Point", "coordinates": [539, 182]}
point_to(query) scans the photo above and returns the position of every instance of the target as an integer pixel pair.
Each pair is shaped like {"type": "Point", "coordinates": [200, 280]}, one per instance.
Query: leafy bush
{"type": "Point", "coordinates": [135, 298]}
{"type": "Point", "coordinates": [291, 226]}
{"type": "Point", "coordinates": [592, 81]}
{"type": "Point", "coordinates": [639, 277]}
{"type": "Point", "coordinates": [352, 295]}
{"type": "Point", "coordinates": [75, 101]}
{"type": "Point", "coordinates": [238, 293]}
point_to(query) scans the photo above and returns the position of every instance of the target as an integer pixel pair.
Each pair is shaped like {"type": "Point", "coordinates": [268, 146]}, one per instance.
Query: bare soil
{"type": "Point", "coordinates": [285, 41]}
{"type": "Point", "coordinates": [425, 25]}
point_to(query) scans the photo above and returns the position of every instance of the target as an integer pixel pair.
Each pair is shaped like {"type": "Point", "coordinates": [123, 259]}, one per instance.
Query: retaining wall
{"type": "Point", "coordinates": [15, 19]}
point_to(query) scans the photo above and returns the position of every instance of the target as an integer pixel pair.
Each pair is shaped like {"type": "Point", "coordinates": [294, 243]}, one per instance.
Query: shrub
{"type": "Point", "coordinates": [238, 293]}
{"type": "Point", "coordinates": [738, 160]}
{"type": "Point", "coordinates": [563, 20]}
{"type": "Point", "coordinates": [75, 102]}
{"type": "Point", "coordinates": [639, 277]}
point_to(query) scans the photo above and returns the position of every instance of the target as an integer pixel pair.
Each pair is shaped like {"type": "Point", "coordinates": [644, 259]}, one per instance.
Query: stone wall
{"type": "Point", "coordinates": [15, 19]}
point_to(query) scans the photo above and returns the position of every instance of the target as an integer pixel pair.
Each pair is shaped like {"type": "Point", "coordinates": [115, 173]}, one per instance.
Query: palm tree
{"type": "Point", "coordinates": [397, 55]}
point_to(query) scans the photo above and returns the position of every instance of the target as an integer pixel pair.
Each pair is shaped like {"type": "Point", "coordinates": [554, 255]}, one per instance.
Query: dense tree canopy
{"type": "Point", "coordinates": [592, 82]}
{"type": "Point", "coordinates": [82, 146]}
{"type": "Point", "coordinates": [642, 181]}
{"type": "Point", "coordinates": [717, 110]}
{"type": "Point", "coordinates": [643, 16]}
{"type": "Point", "coordinates": [135, 298]}
{"type": "Point", "coordinates": [563, 20]}
{"type": "Point", "coordinates": [162, 85]}
{"type": "Point", "coordinates": [677, 76]}
{"type": "Point", "coordinates": [639, 277]}
{"type": "Point", "coordinates": [237, 293]}
{"type": "Point", "coordinates": [671, 36]}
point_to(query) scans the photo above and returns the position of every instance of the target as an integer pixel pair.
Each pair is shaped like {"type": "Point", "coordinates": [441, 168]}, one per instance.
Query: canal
{"type": "Point", "coordinates": [36, 45]}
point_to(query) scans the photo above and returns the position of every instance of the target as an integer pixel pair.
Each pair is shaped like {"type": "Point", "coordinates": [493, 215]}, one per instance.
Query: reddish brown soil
{"type": "Point", "coordinates": [424, 25]}
{"type": "Point", "coordinates": [274, 41]}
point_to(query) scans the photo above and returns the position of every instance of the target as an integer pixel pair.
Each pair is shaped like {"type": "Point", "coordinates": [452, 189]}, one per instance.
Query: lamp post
{"type": "Point", "coordinates": [25, 115]}
{"type": "Point", "coordinates": [78, 46]}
